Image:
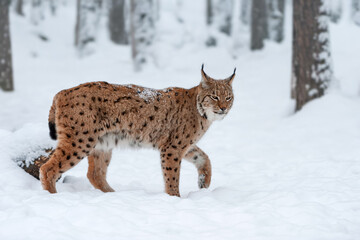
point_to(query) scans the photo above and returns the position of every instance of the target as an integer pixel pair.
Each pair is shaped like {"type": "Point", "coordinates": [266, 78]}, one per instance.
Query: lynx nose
{"type": "Point", "coordinates": [223, 109]}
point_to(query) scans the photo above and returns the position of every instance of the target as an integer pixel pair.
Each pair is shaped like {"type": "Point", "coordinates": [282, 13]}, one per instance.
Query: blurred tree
{"type": "Point", "coordinates": [6, 71]}
{"type": "Point", "coordinates": [142, 29]}
{"type": "Point", "coordinates": [335, 10]}
{"type": "Point", "coordinates": [37, 14]}
{"type": "Point", "coordinates": [355, 11]}
{"type": "Point", "coordinates": [218, 18]}
{"type": "Point", "coordinates": [209, 12]}
{"type": "Point", "coordinates": [87, 21]}
{"type": "Point", "coordinates": [53, 6]}
{"type": "Point", "coordinates": [245, 13]}
{"type": "Point", "coordinates": [219, 14]}
{"type": "Point", "coordinates": [259, 25]}
{"type": "Point", "coordinates": [276, 14]}
{"type": "Point", "coordinates": [311, 61]}
{"type": "Point", "coordinates": [19, 7]}
{"type": "Point", "coordinates": [117, 22]}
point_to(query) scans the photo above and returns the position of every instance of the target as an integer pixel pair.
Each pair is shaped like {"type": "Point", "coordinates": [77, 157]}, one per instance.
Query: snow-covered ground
{"type": "Point", "coordinates": [276, 174]}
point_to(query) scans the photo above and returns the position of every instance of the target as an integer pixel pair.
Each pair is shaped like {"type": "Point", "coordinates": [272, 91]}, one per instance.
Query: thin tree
{"type": "Point", "coordinates": [259, 25]}
{"type": "Point", "coordinates": [355, 11]}
{"type": "Point", "coordinates": [142, 27]}
{"type": "Point", "coordinates": [87, 21]}
{"type": "Point", "coordinates": [245, 13]}
{"type": "Point", "coordinates": [37, 11]}
{"type": "Point", "coordinates": [209, 12]}
{"type": "Point", "coordinates": [19, 7]}
{"type": "Point", "coordinates": [311, 61]}
{"type": "Point", "coordinates": [6, 71]}
{"type": "Point", "coordinates": [276, 15]}
{"type": "Point", "coordinates": [117, 22]}
{"type": "Point", "coordinates": [219, 19]}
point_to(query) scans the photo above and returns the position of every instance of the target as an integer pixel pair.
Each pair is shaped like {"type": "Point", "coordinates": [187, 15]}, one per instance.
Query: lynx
{"type": "Point", "coordinates": [93, 118]}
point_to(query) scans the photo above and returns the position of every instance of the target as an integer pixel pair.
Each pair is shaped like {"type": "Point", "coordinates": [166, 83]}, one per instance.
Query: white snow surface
{"type": "Point", "coordinates": [276, 174]}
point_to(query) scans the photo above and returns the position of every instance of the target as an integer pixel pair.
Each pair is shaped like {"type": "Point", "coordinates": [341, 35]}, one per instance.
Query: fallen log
{"type": "Point", "coordinates": [33, 167]}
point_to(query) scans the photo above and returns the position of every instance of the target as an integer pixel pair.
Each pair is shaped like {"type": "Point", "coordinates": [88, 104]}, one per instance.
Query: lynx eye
{"type": "Point", "coordinates": [215, 98]}
{"type": "Point", "coordinates": [228, 98]}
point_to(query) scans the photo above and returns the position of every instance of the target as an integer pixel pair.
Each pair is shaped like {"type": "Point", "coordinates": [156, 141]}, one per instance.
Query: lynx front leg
{"type": "Point", "coordinates": [98, 164]}
{"type": "Point", "coordinates": [170, 163]}
{"type": "Point", "coordinates": [202, 163]}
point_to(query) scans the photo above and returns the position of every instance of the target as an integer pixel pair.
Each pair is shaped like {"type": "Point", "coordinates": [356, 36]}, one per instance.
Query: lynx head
{"type": "Point", "coordinates": [215, 97]}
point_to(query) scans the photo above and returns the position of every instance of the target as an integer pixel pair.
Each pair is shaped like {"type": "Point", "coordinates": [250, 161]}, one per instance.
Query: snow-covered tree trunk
{"type": "Point", "coordinates": [37, 11]}
{"type": "Point", "coordinates": [311, 63]}
{"type": "Point", "coordinates": [355, 11]}
{"type": "Point", "coordinates": [142, 27]}
{"type": "Point", "coordinates": [87, 21]}
{"type": "Point", "coordinates": [259, 25]}
{"type": "Point", "coordinates": [6, 71]}
{"type": "Point", "coordinates": [276, 20]}
{"type": "Point", "coordinates": [245, 14]}
{"type": "Point", "coordinates": [19, 7]}
{"type": "Point", "coordinates": [117, 22]}
{"type": "Point", "coordinates": [335, 10]}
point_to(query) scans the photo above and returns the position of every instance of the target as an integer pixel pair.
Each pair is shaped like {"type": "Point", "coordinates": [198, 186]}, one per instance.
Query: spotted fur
{"type": "Point", "coordinates": [93, 118]}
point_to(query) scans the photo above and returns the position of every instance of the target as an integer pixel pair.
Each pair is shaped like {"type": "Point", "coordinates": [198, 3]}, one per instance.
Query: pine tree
{"type": "Point", "coordinates": [259, 25]}
{"type": "Point", "coordinates": [142, 26]}
{"type": "Point", "coordinates": [276, 20]}
{"type": "Point", "coordinates": [311, 62]}
{"type": "Point", "coordinates": [87, 21]}
{"type": "Point", "coordinates": [6, 72]}
{"type": "Point", "coordinates": [117, 23]}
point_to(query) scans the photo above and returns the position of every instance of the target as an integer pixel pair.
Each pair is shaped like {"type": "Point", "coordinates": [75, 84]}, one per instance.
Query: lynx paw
{"type": "Point", "coordinates": [202, 181]}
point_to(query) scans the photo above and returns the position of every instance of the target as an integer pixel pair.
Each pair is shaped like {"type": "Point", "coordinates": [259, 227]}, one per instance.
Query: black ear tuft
{"type": "Point", "coordinates": [234, 70]}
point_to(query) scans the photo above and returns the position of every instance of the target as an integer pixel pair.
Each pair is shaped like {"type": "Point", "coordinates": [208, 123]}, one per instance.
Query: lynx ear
{"type": "Point", "coordinates": [204, 78]}
{"type": "Point", "coordinates": [230, 79]}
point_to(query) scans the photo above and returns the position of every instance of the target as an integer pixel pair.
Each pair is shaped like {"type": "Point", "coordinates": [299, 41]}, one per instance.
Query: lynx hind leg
{"type": "Point", "coordinates": [202, 163]}
{"type": "Point", "coordinates": [98, 164]}
{"type": "Point", "coordinates": [64, 157]}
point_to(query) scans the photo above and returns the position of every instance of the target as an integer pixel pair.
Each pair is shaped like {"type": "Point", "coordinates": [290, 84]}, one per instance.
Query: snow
{"type": "Point", "coordinates": [276, 174]}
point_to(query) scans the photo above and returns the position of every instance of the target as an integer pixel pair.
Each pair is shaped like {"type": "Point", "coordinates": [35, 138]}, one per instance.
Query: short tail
{"type": "Point", "coordinates": [52, 126]}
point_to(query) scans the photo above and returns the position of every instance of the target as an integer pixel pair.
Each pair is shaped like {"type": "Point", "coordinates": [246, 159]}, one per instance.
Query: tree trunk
{"type": "Point", "coordinates": [117, 22]}
{"type": "Point", "coordinates": [19, 7]}
{"type": "Point", "coordinates": [209, 12]}
{"type": "Point", "coordinates": [6, 71]}
{"type": "Point", "coordinates": [311, 62]}
{"type": "Point", "coordinates": [355, 11]}
{"type": "Point", "coordinates": [87, 21]}
{"type": "Point", "coordinates": [276, 20]}
{"type": "Point", "coordinates": [259, 29]}
{"type": "Point", "coordinates": [142, 31]}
